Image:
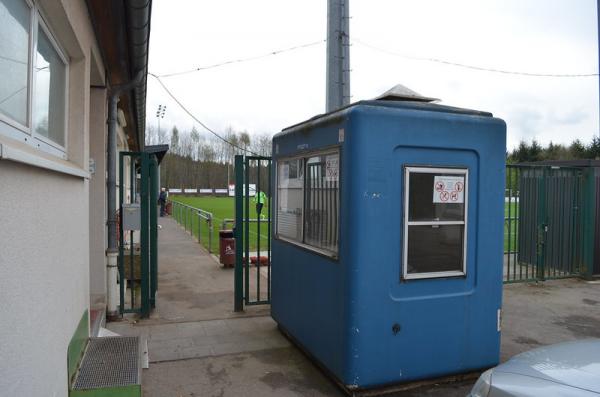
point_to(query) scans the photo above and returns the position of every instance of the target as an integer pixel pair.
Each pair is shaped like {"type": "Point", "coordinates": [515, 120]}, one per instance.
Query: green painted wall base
{"type": "Point", "coordinates": [77, 346]}
{"type": "Point", "coordinates": [116, 391]}
{"type": "Point", "coordinates": [75, 353]}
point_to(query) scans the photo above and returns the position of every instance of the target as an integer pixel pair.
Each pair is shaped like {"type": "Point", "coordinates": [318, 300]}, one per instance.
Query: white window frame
{"type": "Point", "coordinates": [434, 170]}
{"type": "Point", "coordinates": [25, 133]}
{"type": "Point", "coordinates": [301, 243]}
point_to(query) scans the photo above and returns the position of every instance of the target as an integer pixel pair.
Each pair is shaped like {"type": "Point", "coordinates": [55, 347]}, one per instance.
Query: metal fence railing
{"type": "Point", "coordinates": [196, 221]}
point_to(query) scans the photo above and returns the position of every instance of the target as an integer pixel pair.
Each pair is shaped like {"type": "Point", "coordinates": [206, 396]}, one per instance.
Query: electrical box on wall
{"type": "Point", "coordinates": [131, 217]}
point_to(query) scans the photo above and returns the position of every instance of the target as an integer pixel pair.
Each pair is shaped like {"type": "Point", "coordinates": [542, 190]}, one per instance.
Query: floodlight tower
{"type": "Point", "coordinates": [338, 54]}
{"type": "Point", "coordinates": [160, 114]}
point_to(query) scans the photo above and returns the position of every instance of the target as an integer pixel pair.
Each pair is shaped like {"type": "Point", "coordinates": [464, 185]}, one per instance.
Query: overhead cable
{"type": "Point", "coordinates": [198, 120]}
{"type": "Point", "coordinates": [472, 67]}
{"type": "Point", "coordinates": [252, 58]}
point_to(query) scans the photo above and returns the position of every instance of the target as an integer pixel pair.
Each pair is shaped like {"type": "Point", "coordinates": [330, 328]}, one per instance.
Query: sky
{"type": "Point", "coordinates": [273, 92]}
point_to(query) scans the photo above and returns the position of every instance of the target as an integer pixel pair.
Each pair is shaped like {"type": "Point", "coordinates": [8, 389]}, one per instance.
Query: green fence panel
{"type": "Point", "coordinates": [543, 222]}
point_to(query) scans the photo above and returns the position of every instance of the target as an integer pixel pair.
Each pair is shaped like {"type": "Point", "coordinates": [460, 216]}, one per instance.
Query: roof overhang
{"type": "Point", "coordinates": [158, 150]}
{"type": "Point", "coordinates": [122, 30]}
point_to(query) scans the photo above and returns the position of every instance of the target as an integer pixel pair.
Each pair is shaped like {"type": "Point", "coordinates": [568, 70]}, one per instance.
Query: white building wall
{"type": "Point", "coordinates": [44, 233]}
{"type": "Point", "coordinates": [43, 276]}
{"type": "Point", "coordinates": [98, 229]}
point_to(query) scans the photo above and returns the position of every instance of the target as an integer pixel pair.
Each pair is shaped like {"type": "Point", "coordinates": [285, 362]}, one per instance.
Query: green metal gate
{"type": "Point", "coordinates": [252, 231]}
{"type": "Point", "coordinates": [543, 223]}
{"type": "Point", "coordinates": [138, 261]}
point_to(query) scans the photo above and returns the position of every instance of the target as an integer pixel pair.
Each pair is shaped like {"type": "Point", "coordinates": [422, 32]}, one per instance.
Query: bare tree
{"type": "Point", "coordinates": [151, 137]}
{"type": "Point", "coordinates": [244, 140]}
{"type": "Point", "coordinates": [261, 144]}
{"type": "Point", "coordinates": [195, 137]}
{"type": "Point", "coordinates": [175, 140]}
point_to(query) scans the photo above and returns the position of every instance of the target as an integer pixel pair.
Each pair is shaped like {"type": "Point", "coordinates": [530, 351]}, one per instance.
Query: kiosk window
{"type": "Point", "coordinates": [308, 201]}
{"type": "Point", "coordinates": [322, 202]}
{"type": "Point", "coordinates": [290, 198]}
{"type": "Point", "coordinates": [434, 222]}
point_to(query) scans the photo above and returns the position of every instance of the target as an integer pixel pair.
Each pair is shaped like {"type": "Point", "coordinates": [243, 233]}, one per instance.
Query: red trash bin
{"type": "Point", "coordinates": [226, 248]}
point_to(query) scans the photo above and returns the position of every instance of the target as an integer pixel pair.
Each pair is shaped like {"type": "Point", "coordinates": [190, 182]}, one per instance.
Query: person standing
{"type": "Point", "coordinates": [259, 198]}
{"type": "Point", "coordinates": [162, 200]}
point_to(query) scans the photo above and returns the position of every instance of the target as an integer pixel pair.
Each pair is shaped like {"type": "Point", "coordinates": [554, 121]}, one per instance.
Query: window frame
{"type": "Point", "coordinates": [302, 244]}
{"type": "Point", "coordinates": [276, 212]}
{"type": "Point", "coordinates": [26, 133]}
{"type": "Point", "coordinates": [406, 221]}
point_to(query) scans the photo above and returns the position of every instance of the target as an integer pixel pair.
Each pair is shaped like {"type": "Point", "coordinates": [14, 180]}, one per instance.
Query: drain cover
{"type": "Point", "coordinates": [109, 362]}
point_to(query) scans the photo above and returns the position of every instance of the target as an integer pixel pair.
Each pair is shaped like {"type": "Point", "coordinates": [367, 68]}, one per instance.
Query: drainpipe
{"type": "Point", "coordinates": [112, 251]}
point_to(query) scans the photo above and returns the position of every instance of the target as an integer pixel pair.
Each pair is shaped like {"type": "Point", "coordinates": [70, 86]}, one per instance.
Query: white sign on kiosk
{"type": "Point", "coordinates": [448, 189]}
{"type": "Point", "coordinates": [332, 168]}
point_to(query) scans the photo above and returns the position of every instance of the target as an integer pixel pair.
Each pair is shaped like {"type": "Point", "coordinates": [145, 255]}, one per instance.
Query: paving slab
{"type": "Point", "coordinates": [176, 341]}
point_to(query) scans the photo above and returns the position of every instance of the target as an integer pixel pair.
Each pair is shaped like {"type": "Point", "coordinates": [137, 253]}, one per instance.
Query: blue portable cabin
{"type": "Point", "coordinates": [369, 304]}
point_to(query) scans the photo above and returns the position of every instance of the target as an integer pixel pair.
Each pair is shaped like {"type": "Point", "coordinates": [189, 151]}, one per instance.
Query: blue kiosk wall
{"type": "Point", "coordinates": [344, 286]}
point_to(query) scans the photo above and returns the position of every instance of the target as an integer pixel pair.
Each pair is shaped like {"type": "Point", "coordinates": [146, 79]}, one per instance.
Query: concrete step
{"type": "Point", "coordinates": [110, 366]}
{"type": "Point", "coordinates": [97, 321]}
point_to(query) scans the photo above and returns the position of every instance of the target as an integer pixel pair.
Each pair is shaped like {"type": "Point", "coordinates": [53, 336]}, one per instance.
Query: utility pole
{"type": "Point", "coordinates": [598, 31]}
{"type": "Point", "coordinates": [338, 54]}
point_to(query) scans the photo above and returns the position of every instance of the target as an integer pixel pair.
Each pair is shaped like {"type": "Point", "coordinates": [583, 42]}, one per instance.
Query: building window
{"type": "Point", "coordinates": [308, 201]}
{"type": "Point", "coordinates": [49, 94]}
{"type": "Point", "coordinates": [14, 59]}
{"type": "Point", "coordinates": [33, 90]}
{"type": "Point", "coordinates": [435, 222]}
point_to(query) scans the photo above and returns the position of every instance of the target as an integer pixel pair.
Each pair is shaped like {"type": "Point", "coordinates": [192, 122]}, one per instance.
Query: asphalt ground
{"type": "Point", "coordinates": [199, 347]}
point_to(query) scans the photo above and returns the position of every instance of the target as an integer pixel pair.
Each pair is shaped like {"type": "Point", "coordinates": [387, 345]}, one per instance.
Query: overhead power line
{"type": "Point", "coordinates": [472, 67]}
{"type": "Point", "coordinates": [252, 58]}
{"type": "Point", "coordinates": [198, 120]}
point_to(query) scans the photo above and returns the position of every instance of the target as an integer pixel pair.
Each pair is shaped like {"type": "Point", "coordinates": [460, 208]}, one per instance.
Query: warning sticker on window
{"type": "Point", "coordinates": [448, 189]}
{"type": "Point", "coordinates": [332, 167]}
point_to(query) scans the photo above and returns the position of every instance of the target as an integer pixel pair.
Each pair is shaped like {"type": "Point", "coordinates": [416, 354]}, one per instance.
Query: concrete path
{"type": "Point", "coordinates": [199, 347]}
{"type": "Point", "coordinates": [192, 285]}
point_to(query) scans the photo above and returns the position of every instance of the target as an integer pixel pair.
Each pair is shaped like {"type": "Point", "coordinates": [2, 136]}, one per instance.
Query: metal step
{"type": "Point", "coordinates": [111, 363]}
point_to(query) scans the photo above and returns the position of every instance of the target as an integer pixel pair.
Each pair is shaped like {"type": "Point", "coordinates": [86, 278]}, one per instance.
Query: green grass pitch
{"type": "Point", "coordinates": [222, 208]}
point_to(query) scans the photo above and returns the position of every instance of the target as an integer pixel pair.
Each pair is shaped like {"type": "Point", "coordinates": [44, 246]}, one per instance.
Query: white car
{"type": "Point", "coordinates": [570, 369]}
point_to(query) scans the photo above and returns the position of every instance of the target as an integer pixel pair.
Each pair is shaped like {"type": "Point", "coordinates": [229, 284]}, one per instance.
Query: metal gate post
{"type": "Point", "coordinates": [210, 231]}
{"type": "Point", "coordinates": [246, 227]}
{"type": "Point", "coordinates": [256, 192]}
{"type": "Point", "coordinates": [121, 240]}
{"type": "Point", "coordinates": [144, 235]}
{"type": "Point", "coordinates": [238, 304]}
{"type": "Point", "coordinates": [199, 227]}
{"type": "Point", "coordinates": [542, 227]}
{"type": "Point", "coordinates": [153, 229]}
{"type": "Point", "coordinates": [132, 199]}
{"type": "Point", "coordinates": [587, 229]}
{"type": "Point", "coordinates": [271, 179]}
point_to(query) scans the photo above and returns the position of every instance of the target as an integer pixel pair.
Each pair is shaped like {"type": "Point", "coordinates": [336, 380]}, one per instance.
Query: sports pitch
{"type": "Point", "coordinates": [223, 208]}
